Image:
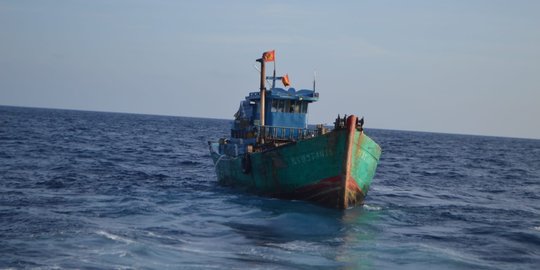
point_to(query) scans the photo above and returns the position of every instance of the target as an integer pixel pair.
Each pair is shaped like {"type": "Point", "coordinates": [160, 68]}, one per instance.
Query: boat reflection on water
{"type": "Point", "coordinates": [360, 230]}
{"type": "Point", "coordinates": [298, 235]}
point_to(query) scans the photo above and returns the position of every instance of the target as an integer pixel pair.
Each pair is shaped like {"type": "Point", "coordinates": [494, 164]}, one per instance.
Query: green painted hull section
{"type": "Point", "coordinates": [365, 156]}
{"type": "Point", "coordinates": [334, 169]}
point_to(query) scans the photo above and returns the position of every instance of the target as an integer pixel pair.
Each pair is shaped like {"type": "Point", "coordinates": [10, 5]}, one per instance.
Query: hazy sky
{"type": "Point", "coordinates": [446, 66]}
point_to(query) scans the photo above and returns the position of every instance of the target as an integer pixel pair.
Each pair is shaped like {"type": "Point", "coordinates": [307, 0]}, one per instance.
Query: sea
{"type": "Point", "coordinates": [97, 190]}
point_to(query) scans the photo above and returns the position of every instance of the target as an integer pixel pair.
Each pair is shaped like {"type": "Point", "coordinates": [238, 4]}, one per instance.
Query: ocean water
{"type": "Point", "coordinates": [107, 191]}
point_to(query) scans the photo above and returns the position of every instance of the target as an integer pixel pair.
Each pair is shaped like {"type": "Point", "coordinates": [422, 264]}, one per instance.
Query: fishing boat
{"type": "Point", "coordinates": [272, 152]}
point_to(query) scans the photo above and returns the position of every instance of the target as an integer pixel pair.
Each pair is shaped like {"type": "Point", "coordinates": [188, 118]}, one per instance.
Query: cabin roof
{"type": "Point", "coordinates": [291, 93]}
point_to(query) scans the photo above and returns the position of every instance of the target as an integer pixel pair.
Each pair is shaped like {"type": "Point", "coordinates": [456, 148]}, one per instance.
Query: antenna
{"type": "Point", "coordinates": [314, 77]}
{"type": "Point", "coordinates": [274, 77]}
{"type": "Point", "coordinates": [259, 71]}
{"type": "Point", "coordinates": [256, 68]}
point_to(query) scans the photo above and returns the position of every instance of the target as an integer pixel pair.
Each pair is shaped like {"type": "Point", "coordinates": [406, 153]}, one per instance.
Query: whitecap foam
{"type": "Point", "coordinates": [114, 237]}
{"type": "Point", "coordinates": [372, 207]}
{"type": "Point", "coordinates": [301, 246]}
{"type": "Point", "coordinates": [537, 228]}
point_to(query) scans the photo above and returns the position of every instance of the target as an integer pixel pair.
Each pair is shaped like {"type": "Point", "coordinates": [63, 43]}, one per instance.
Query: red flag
{"type": "Point", "coordinates": [285, 80]}
{"type": "Point", "coordinates": [269, 56]}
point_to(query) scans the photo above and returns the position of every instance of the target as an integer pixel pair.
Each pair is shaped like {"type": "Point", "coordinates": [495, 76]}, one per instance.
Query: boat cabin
{"type": "Point", "coordinates": [286, 115]}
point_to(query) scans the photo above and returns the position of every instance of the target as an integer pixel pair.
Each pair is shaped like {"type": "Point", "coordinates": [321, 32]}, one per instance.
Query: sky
{"type": "Point", "coordinates": [462, 66]}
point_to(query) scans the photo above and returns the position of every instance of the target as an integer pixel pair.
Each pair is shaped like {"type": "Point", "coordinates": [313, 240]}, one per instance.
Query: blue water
{"type": "Point", "coordinates": [106, 190]}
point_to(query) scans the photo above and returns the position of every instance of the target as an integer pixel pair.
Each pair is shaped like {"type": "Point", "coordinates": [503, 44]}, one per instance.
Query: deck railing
{"type": "Point", "coordinates": [286, 133]}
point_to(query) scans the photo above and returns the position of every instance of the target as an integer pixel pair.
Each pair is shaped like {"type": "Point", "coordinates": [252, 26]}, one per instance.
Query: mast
{"type": "Point", "coordinates": [263, 98]}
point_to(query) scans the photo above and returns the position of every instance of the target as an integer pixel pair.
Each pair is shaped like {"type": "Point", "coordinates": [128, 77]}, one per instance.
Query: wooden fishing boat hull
{"type": "Point", "coordinates": [334, 169]}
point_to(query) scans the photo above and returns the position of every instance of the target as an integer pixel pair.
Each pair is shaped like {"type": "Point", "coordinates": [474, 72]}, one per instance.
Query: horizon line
{"type": "Point", "coordinates": [213, 118]}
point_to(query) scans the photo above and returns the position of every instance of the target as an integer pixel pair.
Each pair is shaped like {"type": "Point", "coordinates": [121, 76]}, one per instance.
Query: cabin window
{"type": "Point", "coordinates": [274, 105]}
{"type": "Point", "coordinates": [281, 105]}
{"type": "Point", "coordinates": [295, 106]}
{"type": "Point", "coordinates": [287, 107]}
{"type": "Point", "coordinates": [291, 107]}
{"type": "Point", "coordinates": [303, 106]}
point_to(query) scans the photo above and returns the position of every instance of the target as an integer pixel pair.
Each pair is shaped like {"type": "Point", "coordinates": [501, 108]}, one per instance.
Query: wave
{"type": "Point", "coordinates": [190, 162]}
{"type": "Point", "coordinates": [53, 184]}
{"type": "Point", "coordinates": [138, 190]}
{"type": "Point", "coordinates": [297, 245]}
{"type": "Point", "coordinates": [114, 237]}
{"type": "Point", "coordinates": [372, 207]}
